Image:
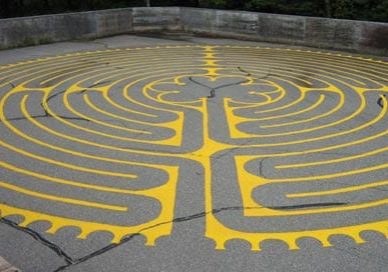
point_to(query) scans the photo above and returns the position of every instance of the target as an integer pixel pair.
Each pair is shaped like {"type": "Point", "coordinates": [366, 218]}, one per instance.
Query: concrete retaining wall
{"type": "Point", "coordinates": [62, 27]}
{"type": "Point", "coordinates": [359, 36]}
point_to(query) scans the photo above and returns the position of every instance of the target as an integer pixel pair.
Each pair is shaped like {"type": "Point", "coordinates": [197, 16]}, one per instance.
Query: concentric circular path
{"type": "Point", "coordinates": [293, 142]}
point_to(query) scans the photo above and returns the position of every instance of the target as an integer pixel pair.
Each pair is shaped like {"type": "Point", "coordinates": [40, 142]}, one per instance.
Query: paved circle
{"type": "Point", "coordinates": [295, 142]}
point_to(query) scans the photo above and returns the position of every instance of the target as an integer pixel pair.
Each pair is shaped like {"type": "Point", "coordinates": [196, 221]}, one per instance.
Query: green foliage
{"type": "Point", "coordinates": [301, 7]}
{"type": "Point", "coordinates": [380, 12]}
{"type": "Point", "coordinates": [374, 10]}
{"type": "Point", "coordinates": [213, 3]}
{"type": "Point", "coordinates": [343, 9]}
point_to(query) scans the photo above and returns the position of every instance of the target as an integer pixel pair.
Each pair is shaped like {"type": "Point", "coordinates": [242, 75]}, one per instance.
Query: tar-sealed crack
{"type": "Point", "coordinates": [230, 150]}
{"type": "Point", "coordinates": [248, 74]}
{"type": "Point", "coordinates": [190, 218]}
{"type": "Point", "coordinates": [244, 71]}
{"type": "Point", "coordinates": [46, 112]}
{"type": "Point", "coordinates": [54, 95]}
{"type": "Point", "coordinates": [72, 261]}
{"type": "Point", "coordinates": [94, 85]}
{"type": "Point", "coordinates": [261, 167]}
{"type": "Point", "coordinates": [380, 101]}
{"type": "Point", "coordinates": [213, 90]}
{"type": "Point", "coordinates": [46, 115]}
{"type": "Point", "coordinates": [227, 152]}
{"type": "Point", "coordinates": [39, 238]}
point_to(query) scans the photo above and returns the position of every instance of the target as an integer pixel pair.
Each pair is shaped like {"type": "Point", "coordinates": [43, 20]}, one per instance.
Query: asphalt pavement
{"type": "Point", "coordinates": [171, 152]}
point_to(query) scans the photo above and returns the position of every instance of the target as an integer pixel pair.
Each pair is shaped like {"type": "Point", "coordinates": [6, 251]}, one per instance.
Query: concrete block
{"type": "Point", "coordinates": [19, 32]}
{"type": "Point", "coordinates": [44, 29]}
{"type": "Point", "coordinates": [154, 19]}
{"type": "Point", "coordinates": [282, 28]}
{"type": "Point", "coordinates": [114, 22]}
{"type": "Point", "coordinates": [320, 32]}
{"type": "Point", "coordinates": [236, 22]}
{"type": "Point", "coordinates": [74, 25]}
{"type": "Point", "coordinates": [198, 19]}
{"type": "Point", "coordinates": [332, 33]}
{"type": "Point", "coordinates": [374, 37]}
{"type": "Point", "coordinates": [347, 34]}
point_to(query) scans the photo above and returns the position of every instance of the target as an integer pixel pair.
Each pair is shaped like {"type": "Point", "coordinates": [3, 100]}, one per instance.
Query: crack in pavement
{"type": "Point", "coordinates": [72, 262]}
{"type": "Point", "coordinates": [230, 150]}
{"type": "Point", "coordinates": [380, 101]}
{"type": "Point", "coordinates": [213, 90]}
{"type": "Point", "coordinates": [94, 85]}
{"type": "Point", "coordinates": [189, 218]}
{"type": "Point", "coordinates": [248, 74]}
{"type": "Point", "coordinates": [54, 95]}
{"type": "Point", "coordinates": [227, 152]}
{"type": "Point", "coordinates": [46, 113]}
{"type": "Point", "coordinates": [261, 168]}
{"type": "Point", "coordinates": [36, 236]}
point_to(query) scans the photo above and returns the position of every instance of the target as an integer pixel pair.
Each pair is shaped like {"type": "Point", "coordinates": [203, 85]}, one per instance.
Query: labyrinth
{"type": "Point", "coordinates": [292, 142]}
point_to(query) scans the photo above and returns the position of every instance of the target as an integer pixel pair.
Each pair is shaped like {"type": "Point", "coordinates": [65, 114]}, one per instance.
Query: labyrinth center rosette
{"type": "Point", "coordinates": [292, 143]}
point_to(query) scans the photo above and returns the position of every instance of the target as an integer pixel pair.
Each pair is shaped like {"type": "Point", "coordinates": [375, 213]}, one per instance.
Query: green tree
{"type": "Point", "coordinates": [343, 9]}
{"type": "Point", "coordinates": [375, 10]}
{"type": "Point", "coordinates": [213, 3]}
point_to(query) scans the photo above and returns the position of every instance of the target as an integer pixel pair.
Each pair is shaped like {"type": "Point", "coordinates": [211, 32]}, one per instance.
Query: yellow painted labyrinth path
{"type": "Point", "coordinates": [285, 143]}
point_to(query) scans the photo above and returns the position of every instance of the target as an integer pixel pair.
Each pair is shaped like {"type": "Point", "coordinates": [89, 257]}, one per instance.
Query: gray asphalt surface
{"type": "Point", "coordinates": [181, 153]}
